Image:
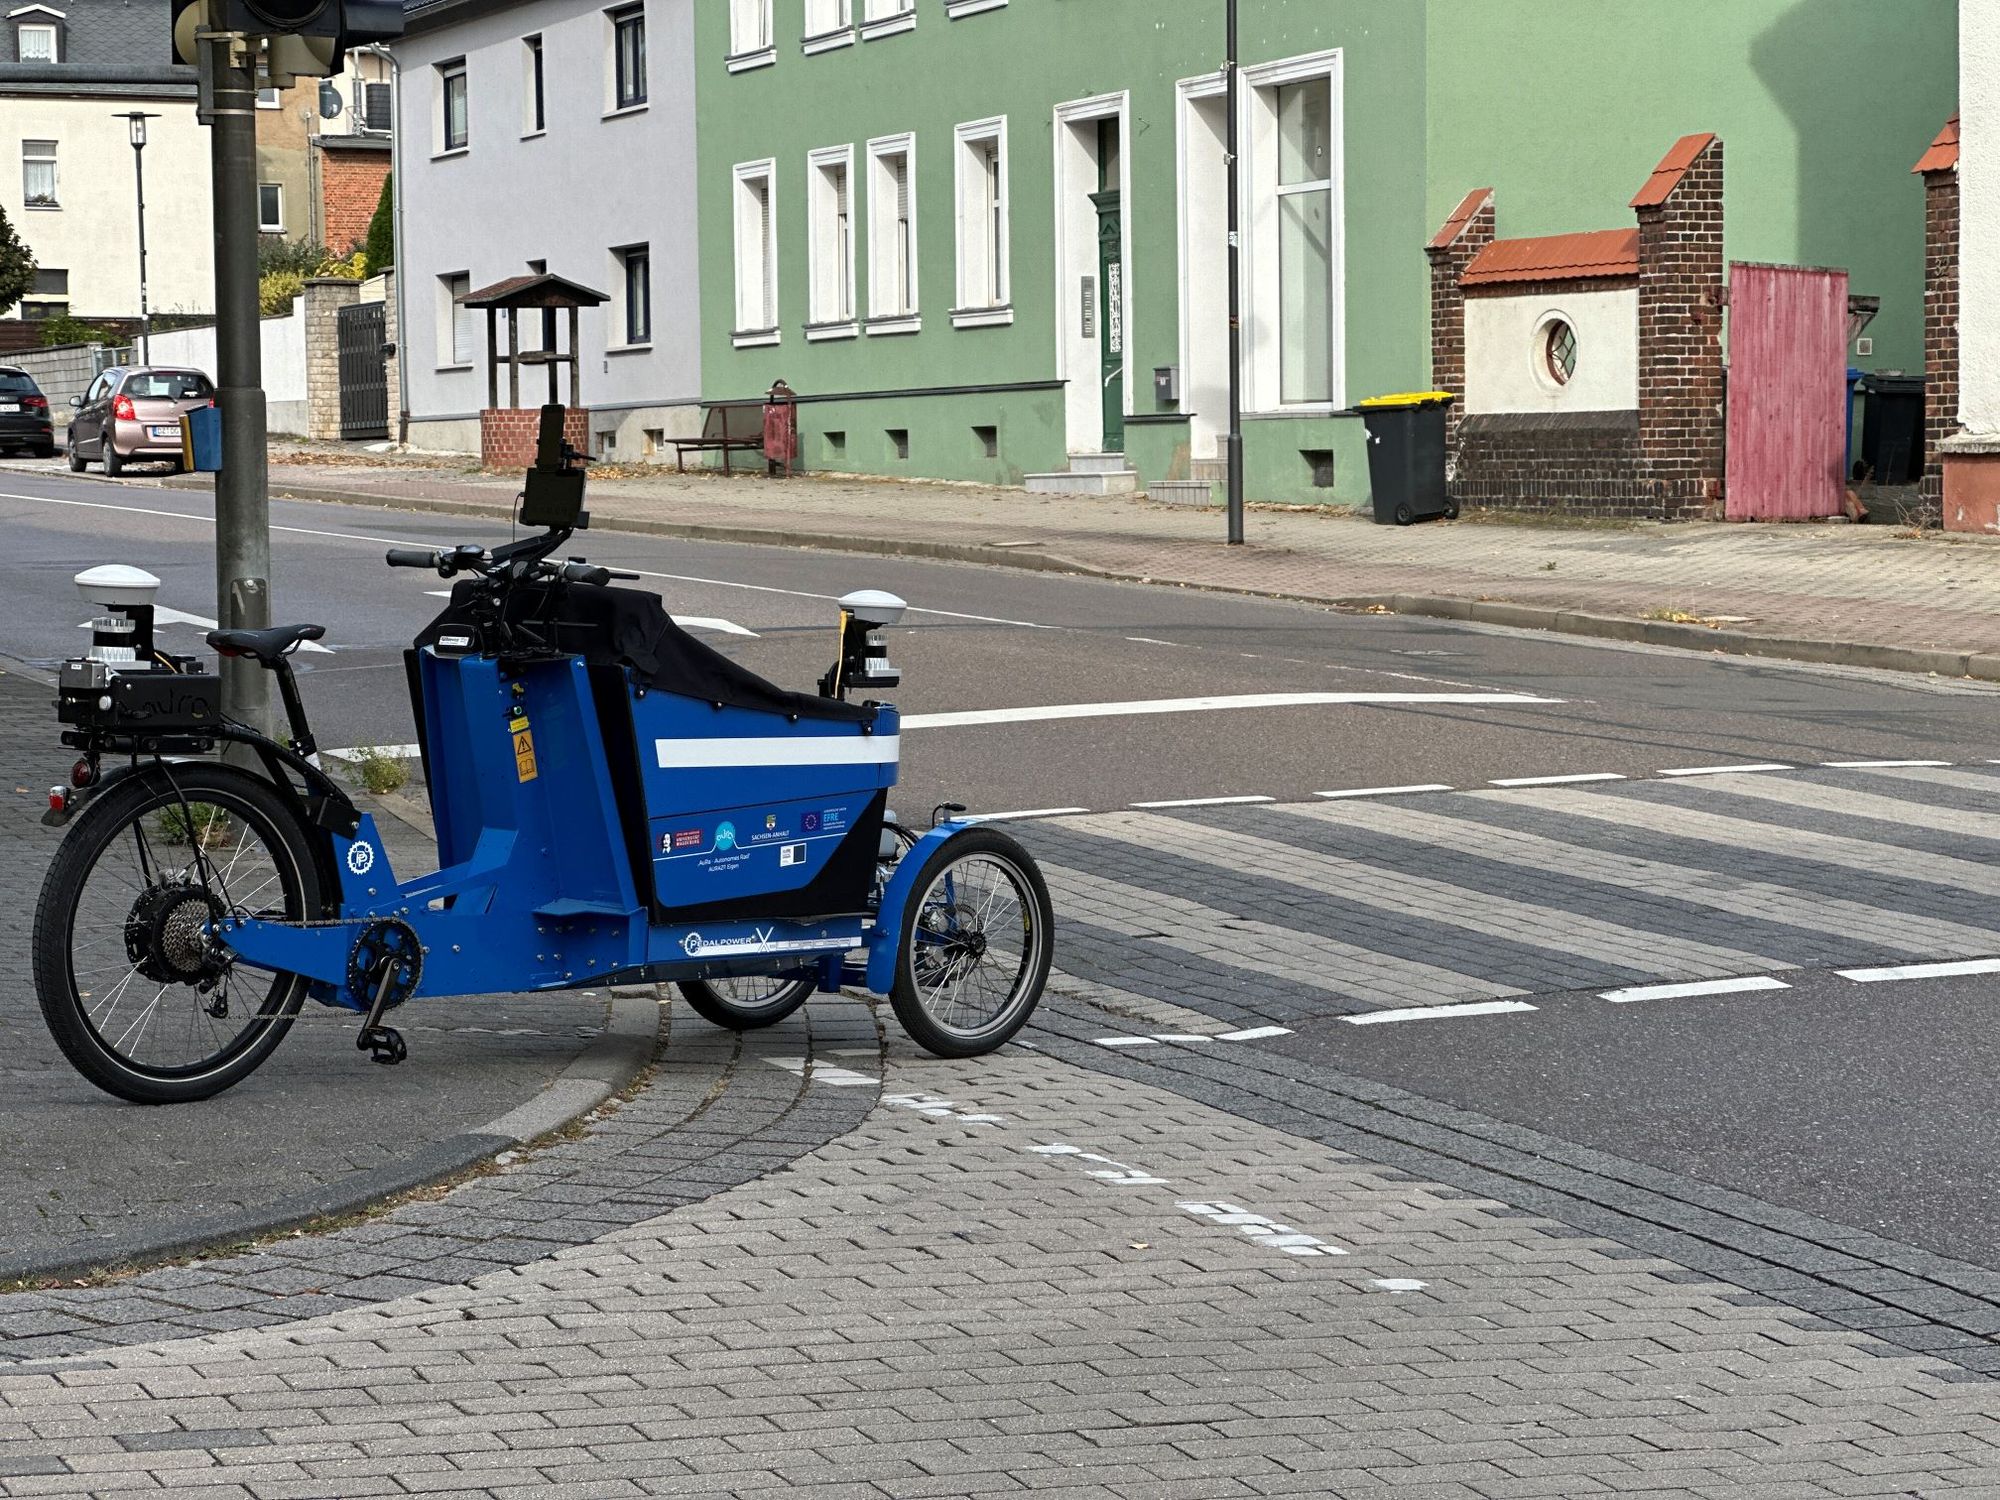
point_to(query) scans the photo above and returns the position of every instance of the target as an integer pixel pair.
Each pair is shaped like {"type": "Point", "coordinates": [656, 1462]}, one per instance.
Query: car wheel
{"type": "Point", "coordinates": [113, 464]}
{"type": "Point", "coordinates": [77, 462]}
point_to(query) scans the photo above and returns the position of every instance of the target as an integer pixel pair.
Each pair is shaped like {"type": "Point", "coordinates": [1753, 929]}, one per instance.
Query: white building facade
{"type": "Point", "coordinates": [551, 136]}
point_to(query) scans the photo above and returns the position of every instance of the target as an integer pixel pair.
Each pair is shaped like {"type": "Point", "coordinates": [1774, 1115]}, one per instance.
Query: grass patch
{"type": "Point", "coordinates": [380, 772]}
{"type": "Point", "coordinates": [1681, 617]}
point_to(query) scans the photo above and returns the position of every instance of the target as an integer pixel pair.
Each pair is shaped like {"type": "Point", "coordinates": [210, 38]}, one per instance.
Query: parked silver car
{"type": "Point", "coordinates": [133, 414]}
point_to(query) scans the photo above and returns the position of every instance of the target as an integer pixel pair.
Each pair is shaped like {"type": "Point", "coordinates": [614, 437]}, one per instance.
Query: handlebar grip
{"type": "Point", "coordinates": [579, 572]}
{"type": "Point", "coordinates": [413, 557]}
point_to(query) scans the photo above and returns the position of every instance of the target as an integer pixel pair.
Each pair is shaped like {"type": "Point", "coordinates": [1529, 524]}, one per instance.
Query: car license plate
{"type": "Point", "coordinates": [165, 432]}
{"type": "Point", "coordinates": [9, 406]}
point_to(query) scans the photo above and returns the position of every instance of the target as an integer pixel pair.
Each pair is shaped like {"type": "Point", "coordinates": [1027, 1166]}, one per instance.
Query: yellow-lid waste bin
{"type": "Point", "coordinates": [1406, 468]}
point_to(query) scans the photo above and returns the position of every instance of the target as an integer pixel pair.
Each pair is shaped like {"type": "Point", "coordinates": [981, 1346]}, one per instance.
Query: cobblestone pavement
{"type": "Point", "coordinates": [1019, 1276]}
{"type": "Point", "coordinates": [85, 1178]}
{"type": "Point", "coordinates": [1835, 582]}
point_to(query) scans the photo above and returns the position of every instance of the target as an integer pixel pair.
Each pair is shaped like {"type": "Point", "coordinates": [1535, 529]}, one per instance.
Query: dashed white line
{"type": "Point", "coordinates": [1437, 1012]}
{"type": "Point", "coordinates": [1688, 991]}
{"type": "Point", "coordinates": [1768, 765]}
{"type": "Point", "coordinates": [1922, 971]}
{"type": "Point", "coordinates": [1557, 780]}
{"type": "Point", "coordinates": [1386, 791]}
{"type": "Point", "coordinates": [1880, 765]}
{"type": "Point", "coordinates": [1036, 713]}
{"type": "Point", "coordinates": [1253, 1034]}
{"type": "Point", "coordinates": [814, 1071]}
{"type": "Point", "coordinates": [1026, 812]}
{"type": "Point", "coordinates": [1206, 802]}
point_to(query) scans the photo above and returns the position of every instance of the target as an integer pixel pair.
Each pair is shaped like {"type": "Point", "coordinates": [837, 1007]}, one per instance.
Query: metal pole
{"type": "Point", "coordinates": [242, 501]}
{"type": "Point", "coordinates": [145, 315]}
{"type": "Point", "coordinates": [1235, 438]}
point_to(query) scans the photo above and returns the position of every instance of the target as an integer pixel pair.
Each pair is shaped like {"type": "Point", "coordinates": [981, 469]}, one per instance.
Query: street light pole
{"type": "Point", "coordinates": [136, 120]}
{"type": "Point", "coordinates": [1235, 438]}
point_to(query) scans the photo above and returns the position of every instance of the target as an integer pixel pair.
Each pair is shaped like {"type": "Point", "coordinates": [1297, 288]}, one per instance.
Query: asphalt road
{"type": "Point", "coordinates": [1861, 1104]}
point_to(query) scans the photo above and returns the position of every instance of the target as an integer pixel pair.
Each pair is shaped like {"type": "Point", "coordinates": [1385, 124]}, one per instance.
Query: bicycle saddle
{"type": "Point", "coordinates": [268, 644]}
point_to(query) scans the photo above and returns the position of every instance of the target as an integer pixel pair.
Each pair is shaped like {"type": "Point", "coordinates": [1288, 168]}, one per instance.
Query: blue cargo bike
{"type": "Point", "coordinates": [615, 802]}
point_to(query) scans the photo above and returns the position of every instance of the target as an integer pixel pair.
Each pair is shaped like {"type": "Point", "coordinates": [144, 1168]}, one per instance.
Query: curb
{"type": "Point", "coordinates": [1840, 653]}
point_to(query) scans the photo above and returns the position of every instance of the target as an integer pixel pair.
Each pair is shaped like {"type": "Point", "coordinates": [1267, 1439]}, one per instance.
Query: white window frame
{"type": "Point", "coordinates": [828, 24]}
{"type": "Point", "coordinates": [534, 63]}
{"type": "Point", "coordinates": [880, 18]}
{"type": "Point", "coordinates": [269, 99]}
{"type": "Point", "coordinates": [1263, 370]}
{"type": "Point", "coordinates": [53, 157]}
{"type": "Point", "coordinates": [984, 232]}
{"type": "Point", "coordinates": [752, 36]}
{"type": "Point", "coordinates": [54, 33]}
{"type": "Point", "coordinates": [831, 247]}
{"type": "Point", "coordinates": [888, 278]}
{"type": "Point", "coordinates": [449, 312]}
{"type": "Point", "coordinates": [613, 18]}
{"type": "Point", "coordinates": [764, 269]}
{"type": "Point", "coordinates": [441, 117]}
{"type": "Point", "coordinates": [621, 260]}
{"type": "Point", "coordinates": [958, 10]}
{"type": "Point", "coordinates": [264, 227]}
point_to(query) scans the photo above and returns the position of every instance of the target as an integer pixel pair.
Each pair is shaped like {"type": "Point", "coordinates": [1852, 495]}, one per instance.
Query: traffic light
{"type": "Point", "coordinates": [323, 29]}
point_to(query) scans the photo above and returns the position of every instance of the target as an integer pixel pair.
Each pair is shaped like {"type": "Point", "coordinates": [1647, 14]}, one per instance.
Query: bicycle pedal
{"type": "Point", "coordinates": [383, 1044]}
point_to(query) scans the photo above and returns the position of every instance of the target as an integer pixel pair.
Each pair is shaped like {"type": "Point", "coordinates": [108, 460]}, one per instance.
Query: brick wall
{"type": "Point", "coordinates": [1450, 253]}
{"type": "Point", "coordinates": [350, 184]}
{"type": "Point", "coordinates": [323, 299]}
{"type": "Point", "coordinates": [1681, 280]}
{"type": "Point", "coordinates": [508, 434]}
{"type": "Point", "coordinates": [1940, 332]}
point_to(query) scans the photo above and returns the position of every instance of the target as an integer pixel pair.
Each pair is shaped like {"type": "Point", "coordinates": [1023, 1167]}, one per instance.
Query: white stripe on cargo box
{"type": "Point", "coordinates": [789, 750]}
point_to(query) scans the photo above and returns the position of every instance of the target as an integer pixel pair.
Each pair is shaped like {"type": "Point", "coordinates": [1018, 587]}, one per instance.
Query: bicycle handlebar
{"type": "Point", "coordinates": [413, 557]}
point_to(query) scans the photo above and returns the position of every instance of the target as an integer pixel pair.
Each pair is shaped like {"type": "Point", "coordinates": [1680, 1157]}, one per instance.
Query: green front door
{"type": "Point", "coordinates": [1111, 317]}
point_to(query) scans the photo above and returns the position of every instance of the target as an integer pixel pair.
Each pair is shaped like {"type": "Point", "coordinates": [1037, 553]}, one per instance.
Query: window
{"type": "Point", "coordinates": [35, 44]}
{"type": "Point", "coordinates": [168, 385]}
{"type": "Point", "coordinates": [270, 208]}
{"type": "Point", "coordinates": [1294, 336]}
{"type": "Point", "coordinates": [887, 17]}
{"type": "Point", "coordinates": [49, 296]}
{"type": "Point", "coordinates": [829, 23]}
{"type": "Point", "coordinates": [982, 224]}
{"type": "Point", "coordinates": [635, 274]}
{"type": "Point", "coordinates": [750, 27]}
{"type": "Point", "coordinates": [1558, 351]}
{"type": "Point", "coordinates": [454, 324]}
{"type": "Point", "coordinates": [453, 132]}
{"type": "Point", "coordinates": [628, 55]}
{"type": "Point", "coordinates": [377, 107]}
{"type": "Point", "coordinates": [267, 99]}
{"type": "Point", "coordinates": [38, 174]}
{"type": "Point", "coordinates": [830, 207]}
{"type": "Point", "coordinates": [892, 236]}
{"type": "Point", "coordinates": [756, 255]}
{"type": "Point", "coordinates": [534, 108]}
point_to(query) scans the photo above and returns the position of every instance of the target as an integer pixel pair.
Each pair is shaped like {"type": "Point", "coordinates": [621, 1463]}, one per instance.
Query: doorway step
{"type": "Point", "coordinates": [1088, 474]}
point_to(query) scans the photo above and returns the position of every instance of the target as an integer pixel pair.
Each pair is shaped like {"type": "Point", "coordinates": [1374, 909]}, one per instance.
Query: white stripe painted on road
{"type": "Point", "coordinates": [1038, 712]}
{"type": "Point", "coordinates": [1437, 1012]}
{"type": "Point", "coordinates": [1570, 780]}
{"type": "Point", "coordinates": [710, 622]}
{"type": "Point", "coordinates": [1127, 1041]}
{"type": "Point", "coordinates": [1769, 765]}
{"type": "Point", "coordinates": [1254, 1034]}
{"type": "Point", "coordinates": [1880, 765]}
{"type": "Point", "coordinates": [1207, 802]}
{"type": "Point", "coordinates": [793, 750]}
{"type": "Point", "coordinates": [1026, 812]}
{"type": "Point", "coordinates": [1922, 971]}
{"type": "Point", "coordinates": [814, 1071]}
{"type": "Point", "coordinates": [1689, 991]}
{"type": "Point", "coordinates": [1386, 791]}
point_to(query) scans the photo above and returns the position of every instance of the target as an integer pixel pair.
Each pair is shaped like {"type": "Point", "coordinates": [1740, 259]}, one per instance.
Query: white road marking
{"type": "Point", "coordinates": [1769, 765]}
{"type": "Point", "coordinates": [815, 1071]}
{"type": "Point", "coordinates": [1570, 780]}
{"type": "Point", "coordinates": [1037, 712]}
{"type": "Point", "coordinates": [1386, 791]}
{"type": "Point", "coordinates": [1265, 1231]}
{"type": "Point", "coordinates": [1922, 971]}
{"type": "Point", "coordinates": [1128, 1041]}
{"type": "Point", "coordinates": [1147, 640]}
{"type": "Point", "coordinates": [1029, 812]}
{"type": "Point", "coordinates": [1687, 991]}
{"type": "Point", "coordinates": [1207, 801]}
{"type": "Point", "coordinates": [1880, 765]}
{"type": "Point", "coordinates": [1399, 1284]}
{"type": "Point", "coordinates": [162, 615]}
{"type": "Point", "coordinates": [710, 622]}
{"type": "Point", "coordinates": [1437, 1012]}
{"type": "Point", "coordinates": [1254, 1034]}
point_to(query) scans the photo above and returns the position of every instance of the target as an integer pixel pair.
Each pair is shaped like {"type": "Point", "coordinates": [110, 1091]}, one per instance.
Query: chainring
{"type": "Point", "coordinates": [385, 943]}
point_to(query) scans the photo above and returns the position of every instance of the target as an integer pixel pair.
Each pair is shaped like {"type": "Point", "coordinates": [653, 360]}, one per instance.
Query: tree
{"type": "Point", "coordinates": [17, 265]}
{"type": "Point", "coordinates": [381, 244]}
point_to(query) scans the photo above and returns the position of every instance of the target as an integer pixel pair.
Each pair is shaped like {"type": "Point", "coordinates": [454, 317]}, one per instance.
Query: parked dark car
{"type": "Point", "coordinates": [24, 415]}
{"type": "Point", "coordinates": [133, 415]}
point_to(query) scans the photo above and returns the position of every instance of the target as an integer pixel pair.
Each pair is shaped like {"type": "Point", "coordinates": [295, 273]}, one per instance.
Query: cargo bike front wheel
{"type": "Point", "coordinates": [977, 936]}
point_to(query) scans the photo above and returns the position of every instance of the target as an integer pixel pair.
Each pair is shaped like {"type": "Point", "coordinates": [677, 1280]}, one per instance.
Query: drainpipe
{"type": "Point", "coordinates": [1235, 439]}
{"type": "Point", "coordinates": [396, 228]}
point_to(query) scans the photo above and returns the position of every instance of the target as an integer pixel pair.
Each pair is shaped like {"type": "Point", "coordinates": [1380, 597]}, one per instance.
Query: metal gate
{"type": "Point", "coordinates": [1787, 392]}
{"type": "Point", "coordinates": [364, 373]}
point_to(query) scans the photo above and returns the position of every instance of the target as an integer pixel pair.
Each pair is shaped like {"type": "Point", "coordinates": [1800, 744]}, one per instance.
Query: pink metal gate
{"type": "Point", "coordinates": [1787, 392]}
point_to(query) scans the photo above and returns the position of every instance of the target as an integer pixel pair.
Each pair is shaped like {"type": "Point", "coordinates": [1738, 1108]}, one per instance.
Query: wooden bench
{"type": "Point", "coordinates": [727, 430]}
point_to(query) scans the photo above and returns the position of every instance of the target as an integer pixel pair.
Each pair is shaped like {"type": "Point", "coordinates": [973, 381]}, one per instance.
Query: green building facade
{"type": "Point", "coordinates": [982, 236]}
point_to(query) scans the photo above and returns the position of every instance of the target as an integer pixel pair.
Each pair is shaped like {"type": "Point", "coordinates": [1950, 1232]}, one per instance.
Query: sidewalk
{"type": "Point", "coordinates": [1858, 595]}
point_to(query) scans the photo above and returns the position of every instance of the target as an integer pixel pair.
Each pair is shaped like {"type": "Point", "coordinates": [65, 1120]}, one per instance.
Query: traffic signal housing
{"type": "Point", "coordinates": [327, 28]}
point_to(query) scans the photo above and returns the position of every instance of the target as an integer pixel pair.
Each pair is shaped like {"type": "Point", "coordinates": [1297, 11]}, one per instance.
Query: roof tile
{"type": "Point", "coordinates": [1943, 155]}
{"type": "Point", "coordinates": [1599, 254]}
{"type": "Point", "coordinates": [1673, 166]}
{"type": "Point", "coordinates": [1469, 205]}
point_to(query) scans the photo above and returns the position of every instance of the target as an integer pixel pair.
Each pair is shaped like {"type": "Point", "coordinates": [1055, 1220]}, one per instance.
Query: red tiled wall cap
{"type": "Point", "coordinates": [1673, 166]}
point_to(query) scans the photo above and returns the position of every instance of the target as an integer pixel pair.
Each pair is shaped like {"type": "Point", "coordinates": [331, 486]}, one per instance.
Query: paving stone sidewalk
{"type": "Point", "coordinates": [1871, 584]}
{"type": "Point", "coordinates": [1017, 1276]}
